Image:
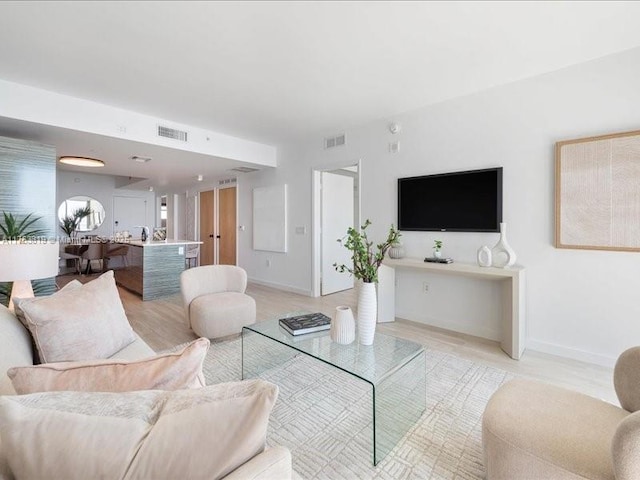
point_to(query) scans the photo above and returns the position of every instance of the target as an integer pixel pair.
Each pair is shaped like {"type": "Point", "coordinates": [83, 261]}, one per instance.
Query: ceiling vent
{"type": "Point", "coordinates": [336, 141]}
{"type": "Point", "coordinates": [227, 181]}
{"type": "Point", "coordinates": [172, 133]}
{"type": "Point", "coordinates": [244, 169]}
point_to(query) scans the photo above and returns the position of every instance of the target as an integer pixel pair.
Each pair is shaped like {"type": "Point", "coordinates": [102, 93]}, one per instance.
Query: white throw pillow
{"type": "Point", "coordinates": [202, 433]}
{"type": "Point", "coordinates": [84, 323]}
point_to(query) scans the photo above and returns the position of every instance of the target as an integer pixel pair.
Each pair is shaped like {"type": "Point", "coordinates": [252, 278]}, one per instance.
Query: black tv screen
{"type": "Point", "coordinates": [457, 202]}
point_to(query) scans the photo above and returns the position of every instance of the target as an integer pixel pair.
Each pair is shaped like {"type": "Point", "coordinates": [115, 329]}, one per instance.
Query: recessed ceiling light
{"type": "Point", "coordinates": [140, 159]}
{"type": "Point", "coordinates": [200, 178]}
{"type": "Point", "coordinates": [151, 189]}
{"type": "Point", "coordinates": [82, 161]}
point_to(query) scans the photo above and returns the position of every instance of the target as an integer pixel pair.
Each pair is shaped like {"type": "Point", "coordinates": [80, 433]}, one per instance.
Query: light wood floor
{"type": "Point", "coordinates": [161, 323]}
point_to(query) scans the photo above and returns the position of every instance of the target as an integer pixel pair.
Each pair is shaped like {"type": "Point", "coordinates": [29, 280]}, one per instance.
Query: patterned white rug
{"type": "Point", "coordinates": [324, 417]}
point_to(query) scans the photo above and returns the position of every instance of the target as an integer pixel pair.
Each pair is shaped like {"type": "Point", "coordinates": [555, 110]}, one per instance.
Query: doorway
{"type": "Point", "coordinates": [336, 208]}
{"type": "Point", "coordinates": [129, 214]}
{"type": "Point", "coordinates": [218, 225]}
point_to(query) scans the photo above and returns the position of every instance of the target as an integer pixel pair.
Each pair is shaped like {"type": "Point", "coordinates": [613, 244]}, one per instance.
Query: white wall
{"type": "Point", "coordinates": [580, 304]}
{"type": "Point", "coordinates": [102, 188]}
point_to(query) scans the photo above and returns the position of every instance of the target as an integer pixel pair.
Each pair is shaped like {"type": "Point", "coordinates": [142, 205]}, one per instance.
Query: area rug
{"type": "Point", "coordinates": [324, 417]}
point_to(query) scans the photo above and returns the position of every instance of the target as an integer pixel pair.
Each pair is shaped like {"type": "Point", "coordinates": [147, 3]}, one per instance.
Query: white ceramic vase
{"type": "Point", "coordinates": [484, 256]}
{"type": "Point", "coordinates": [367, 313]}
{"type": "Point", "coordinates": [502, 255]}
{"type": "Point", "coordinates": [437, 254]}
{"type": "Point", "coordinates": [343, 326]}
{"type": "Point", "coordinates": [396, 251]}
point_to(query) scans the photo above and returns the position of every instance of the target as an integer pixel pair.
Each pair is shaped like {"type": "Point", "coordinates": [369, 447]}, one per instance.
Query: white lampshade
{"type": "Point", "coordinates": [28, 261]}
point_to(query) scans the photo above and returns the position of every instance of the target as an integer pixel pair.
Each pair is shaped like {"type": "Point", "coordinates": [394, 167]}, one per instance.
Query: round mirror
{"type": "Point", "coordinates": [88, 212]}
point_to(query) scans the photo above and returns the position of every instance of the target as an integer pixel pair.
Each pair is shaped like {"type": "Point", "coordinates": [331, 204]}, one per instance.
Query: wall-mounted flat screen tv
{"type": "Point", "coordinates": [468, 201]}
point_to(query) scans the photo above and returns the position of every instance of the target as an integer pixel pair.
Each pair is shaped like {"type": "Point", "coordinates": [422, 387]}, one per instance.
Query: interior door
{"type": "Point", "coordinates": [129, 213]}
{"type": "Point", "coordinates": [337, 215]}
{"type": "Point", "coordinates": [207, 232]}
{"type": "Point", "coordinates": [227, 226]}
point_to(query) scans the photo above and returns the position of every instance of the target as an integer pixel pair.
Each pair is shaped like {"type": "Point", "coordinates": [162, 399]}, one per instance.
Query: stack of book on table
{"type": "Point", "coordinates": [307, 323]}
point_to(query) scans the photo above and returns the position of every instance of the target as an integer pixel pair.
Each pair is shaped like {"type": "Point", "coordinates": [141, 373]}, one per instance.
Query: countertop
{"type": "Point", "coordinates": [156, 243]}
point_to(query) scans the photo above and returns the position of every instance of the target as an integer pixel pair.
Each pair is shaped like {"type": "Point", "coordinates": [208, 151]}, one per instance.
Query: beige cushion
{"type": "Point", "coordinates": [19, 302]}
{"type": "Point", "coordinates": [15, 349]}
{"type": "Point", "coordinates": [83, 324]}
{"type": "Point", "coordinates": [17, 307]}
{"type": "Point", "coordinates": [626, 379]}
{"type": "Point", "coordinates": [221, 314]}
{"type": "Point", "coordinates": [171, 371]}
{"type": "Point", "coordinates": [201, 433]}
{"type": "Point", "coordinates": [532, 430]}
{"type": "Point", "coordinates": [626, 448]}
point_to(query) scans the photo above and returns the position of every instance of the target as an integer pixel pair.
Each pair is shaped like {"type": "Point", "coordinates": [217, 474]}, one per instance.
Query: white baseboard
{"type": "Point", "coordinates": [572, 353]}
{"type": "Point", "coordinates": [280, 286]}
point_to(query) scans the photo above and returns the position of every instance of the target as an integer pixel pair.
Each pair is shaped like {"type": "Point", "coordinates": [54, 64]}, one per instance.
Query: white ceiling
{"type": "Point", "coordinates": [277, 71]}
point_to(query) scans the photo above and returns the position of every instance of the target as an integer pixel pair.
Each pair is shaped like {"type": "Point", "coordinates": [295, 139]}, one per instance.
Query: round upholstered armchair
{"type": "Point", "coordinates": [532, 431]}
{"type": "Point", "coordinates": [214, 300]}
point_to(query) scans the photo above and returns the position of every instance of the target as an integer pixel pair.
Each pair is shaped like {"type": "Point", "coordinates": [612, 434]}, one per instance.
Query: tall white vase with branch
{"type": "Point", "coordinates": [366, 261]}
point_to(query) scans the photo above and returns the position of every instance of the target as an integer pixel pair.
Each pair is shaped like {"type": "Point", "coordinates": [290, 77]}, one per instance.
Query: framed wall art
{"type": "Point", "coordinates": [598, 192]}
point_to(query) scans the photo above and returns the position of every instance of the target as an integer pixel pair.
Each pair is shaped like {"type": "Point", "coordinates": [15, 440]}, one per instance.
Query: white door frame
{"type": "Point", "coordinates": [316, 205]}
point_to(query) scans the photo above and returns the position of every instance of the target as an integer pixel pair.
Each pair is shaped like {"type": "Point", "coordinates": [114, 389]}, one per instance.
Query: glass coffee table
{"type": "Point", "coordinates": [395, 369]}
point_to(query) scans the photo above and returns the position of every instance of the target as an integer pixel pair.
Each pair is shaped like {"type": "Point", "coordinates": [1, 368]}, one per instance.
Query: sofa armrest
{"type": "Point", "coordinates": [625, 448]}
{"type": "Point", "coordinates": [272, 464]}
{"type": "Point", "coordinates": [626, 379]}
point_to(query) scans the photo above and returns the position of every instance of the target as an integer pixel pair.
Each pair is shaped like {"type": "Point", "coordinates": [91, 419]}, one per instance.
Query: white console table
{"type": "Point", "coordinates": [513, 300]}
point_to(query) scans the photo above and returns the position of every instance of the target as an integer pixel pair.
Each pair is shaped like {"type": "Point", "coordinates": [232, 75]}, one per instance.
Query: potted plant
{"type": "Point", "coordinates": [437, 248]}
{"type": "Point", "coordinates": [70, 223]}
{"type": "Point", "coordinates": [366, 261]}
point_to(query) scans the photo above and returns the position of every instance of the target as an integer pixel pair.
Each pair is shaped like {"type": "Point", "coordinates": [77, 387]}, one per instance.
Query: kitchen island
{"type": "Point", "coordinates": [152, 268]}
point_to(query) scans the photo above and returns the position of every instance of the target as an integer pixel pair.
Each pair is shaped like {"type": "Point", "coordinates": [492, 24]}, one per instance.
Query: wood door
{"type": "Point", "coordinates": [207, 231]}
{"type": "Point", "coordinates": [227, 226]}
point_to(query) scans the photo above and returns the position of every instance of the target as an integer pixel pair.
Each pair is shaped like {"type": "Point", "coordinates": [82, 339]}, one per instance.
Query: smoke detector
{"type": "Point", "coordinates": [139, 159]}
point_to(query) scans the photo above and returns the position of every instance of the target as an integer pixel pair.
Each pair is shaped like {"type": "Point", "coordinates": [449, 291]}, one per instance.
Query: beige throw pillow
{"type": "Point", "coordinates": [202, 433]}
{"type": "Point", "coordinates": [17, 310]}
{"type": "Point", "coordinates": [81, 324]}
{"type": "Point", "coordinates": [171, 371]}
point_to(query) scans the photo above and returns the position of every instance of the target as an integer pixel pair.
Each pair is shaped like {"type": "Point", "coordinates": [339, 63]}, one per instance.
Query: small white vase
{"type": "Point", "coordinates": [396, 251]}
{"type": "Point", "coordinates": [343, 326]}
{"type": "Point", "coordinates": [367, 313]}
{"type": "Point", "coordinates": [502, 255]}
{"type": "Point", "coordinates": [484, 256]}
{"type": "Point", "coordinates": [437, 254]}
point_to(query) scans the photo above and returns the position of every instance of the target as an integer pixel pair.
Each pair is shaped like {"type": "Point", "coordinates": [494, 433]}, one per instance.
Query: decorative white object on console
{"type": "Point", "coordinates": [484, 256]}
{"type": "Point", "coordinates": [502, 255]}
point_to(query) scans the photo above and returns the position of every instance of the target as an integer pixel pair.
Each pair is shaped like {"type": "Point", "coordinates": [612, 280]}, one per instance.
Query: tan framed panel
{"type": "Point", "coordinates": [598, 192]}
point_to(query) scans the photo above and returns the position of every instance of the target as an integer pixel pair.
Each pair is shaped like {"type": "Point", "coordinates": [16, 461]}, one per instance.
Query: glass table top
{"type": "Point", "coordinates": [372, 363]}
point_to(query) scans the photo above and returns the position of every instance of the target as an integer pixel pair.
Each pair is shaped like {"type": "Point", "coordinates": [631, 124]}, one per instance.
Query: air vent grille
{"type": "Point", "coordinates": [244, 169]}
{"type": "Point", "coordinates": [227, 181]}
{"type": "Point", "coordinates": [335, 141]}
{"type": "Point", "coordinates": [172, 133]}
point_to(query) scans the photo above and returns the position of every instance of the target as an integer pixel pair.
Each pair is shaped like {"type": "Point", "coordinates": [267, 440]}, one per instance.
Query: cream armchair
{"type": "Point", "coordinates": [214, 300]}
{"type": "Point", "coordinates": [535, 431]}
